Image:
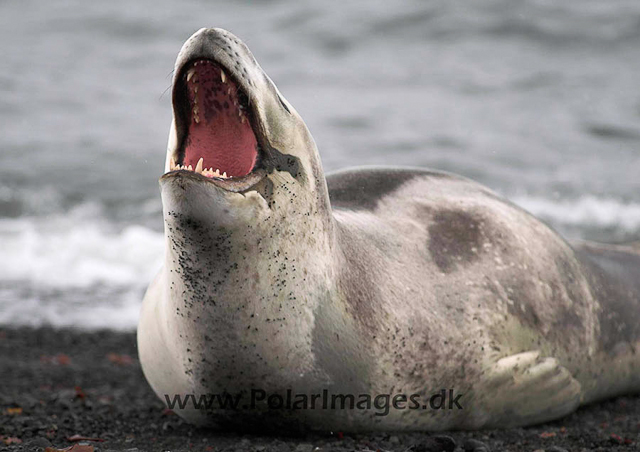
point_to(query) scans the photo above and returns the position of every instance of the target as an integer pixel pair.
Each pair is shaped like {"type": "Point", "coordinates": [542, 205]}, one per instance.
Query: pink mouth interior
{"type": "Point", "coordinates": [219, 129]}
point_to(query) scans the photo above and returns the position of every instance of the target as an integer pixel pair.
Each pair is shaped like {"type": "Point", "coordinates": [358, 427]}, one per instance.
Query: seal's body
{"type": "Point", "coordinates": [387, 283]}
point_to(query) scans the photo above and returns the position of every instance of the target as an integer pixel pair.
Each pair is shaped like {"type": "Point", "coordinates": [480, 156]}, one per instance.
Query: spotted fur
{"type": "Point", "coordinates": [376, 281]}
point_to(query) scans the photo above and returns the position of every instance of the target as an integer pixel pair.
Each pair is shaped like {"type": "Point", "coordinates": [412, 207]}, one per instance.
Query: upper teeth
{"type": "Point", "coordinates": [209, 172]}
{"type": "Point", "coordinates": [192, 76]}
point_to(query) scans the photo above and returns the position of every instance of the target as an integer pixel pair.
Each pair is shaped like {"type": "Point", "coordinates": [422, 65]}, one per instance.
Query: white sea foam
{"type": "Point", "coordinates": [75, 268]}
{"type": "Point", "coordinates": [90, 310]}
{"type": "Point", "coordinates": [587, 211]}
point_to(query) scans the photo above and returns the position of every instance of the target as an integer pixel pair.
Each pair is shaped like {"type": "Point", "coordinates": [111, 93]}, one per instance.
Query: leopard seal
{"type": "Point", "coordinates": [392, 284]}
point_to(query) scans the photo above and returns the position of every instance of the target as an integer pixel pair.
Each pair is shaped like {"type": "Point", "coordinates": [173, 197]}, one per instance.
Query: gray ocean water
{"type": "Point", "coordinates": [538, 99]}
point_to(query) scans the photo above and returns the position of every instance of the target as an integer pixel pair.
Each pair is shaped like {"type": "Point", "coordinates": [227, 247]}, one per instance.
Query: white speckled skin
{"type": "Point", "coordinates": [407, 281]}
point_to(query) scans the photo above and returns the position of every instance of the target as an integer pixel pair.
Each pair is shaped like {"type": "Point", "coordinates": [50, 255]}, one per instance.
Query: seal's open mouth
{"type": "Point", "coordinates": [215, 123]}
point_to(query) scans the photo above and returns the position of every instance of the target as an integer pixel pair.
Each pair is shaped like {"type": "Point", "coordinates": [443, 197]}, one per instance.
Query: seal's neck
{"type": "Point", "coordinates": [244, 256]}
{"type": "Point", "coordinates": [249, 282]}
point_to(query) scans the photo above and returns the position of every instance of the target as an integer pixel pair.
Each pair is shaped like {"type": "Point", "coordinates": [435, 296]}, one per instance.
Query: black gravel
{"type": "Point", "coordinates": [59, 383]}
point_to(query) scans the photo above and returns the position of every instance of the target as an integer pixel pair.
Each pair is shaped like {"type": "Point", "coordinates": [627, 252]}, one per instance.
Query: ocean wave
{"type": "Point", "coordinates": [75, 268]}
{"type": "Point", "coordinates": [77, 249]}
{"type": "Point", "coordinates": [587, 211]}
{"type": "Point", "coordinates": [97, 308]}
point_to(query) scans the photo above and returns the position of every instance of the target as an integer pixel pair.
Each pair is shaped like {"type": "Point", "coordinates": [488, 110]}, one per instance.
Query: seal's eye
{"type": "Point", "coordinates": [283, 104]}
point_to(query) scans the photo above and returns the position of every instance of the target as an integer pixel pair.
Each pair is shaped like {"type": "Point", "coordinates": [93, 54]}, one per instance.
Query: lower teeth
{"type": "Point", "coordinates": [208, 172]}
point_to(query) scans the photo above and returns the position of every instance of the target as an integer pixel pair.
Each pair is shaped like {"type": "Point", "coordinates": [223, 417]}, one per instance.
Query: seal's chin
{"type": "Point", "coordinates": [217, 140]}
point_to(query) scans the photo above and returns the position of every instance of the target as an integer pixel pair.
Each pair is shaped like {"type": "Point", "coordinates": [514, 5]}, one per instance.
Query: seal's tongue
{"type": "Point", "coordinates": [219, 130]}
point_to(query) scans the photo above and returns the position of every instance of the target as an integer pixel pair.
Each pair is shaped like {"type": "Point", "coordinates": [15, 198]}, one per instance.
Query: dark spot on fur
{"type": "Point", "coordinates": [455, 238]}
{"type": "Point", "coordinates": [276, 160]}
{"type": "Point", "coordinates": [362, 189]}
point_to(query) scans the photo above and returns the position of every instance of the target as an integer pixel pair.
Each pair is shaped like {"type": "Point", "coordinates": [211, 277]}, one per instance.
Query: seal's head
{"type": "Point", "coordinates": [234, 139]}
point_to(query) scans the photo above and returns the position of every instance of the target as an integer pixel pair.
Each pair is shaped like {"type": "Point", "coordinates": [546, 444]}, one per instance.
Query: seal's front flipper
{"type": "Point", "coordinates": [525, 389]}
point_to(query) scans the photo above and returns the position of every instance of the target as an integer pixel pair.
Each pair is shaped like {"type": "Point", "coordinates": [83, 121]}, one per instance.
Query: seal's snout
{"type": "Point", "coordinates": [231, 126]}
